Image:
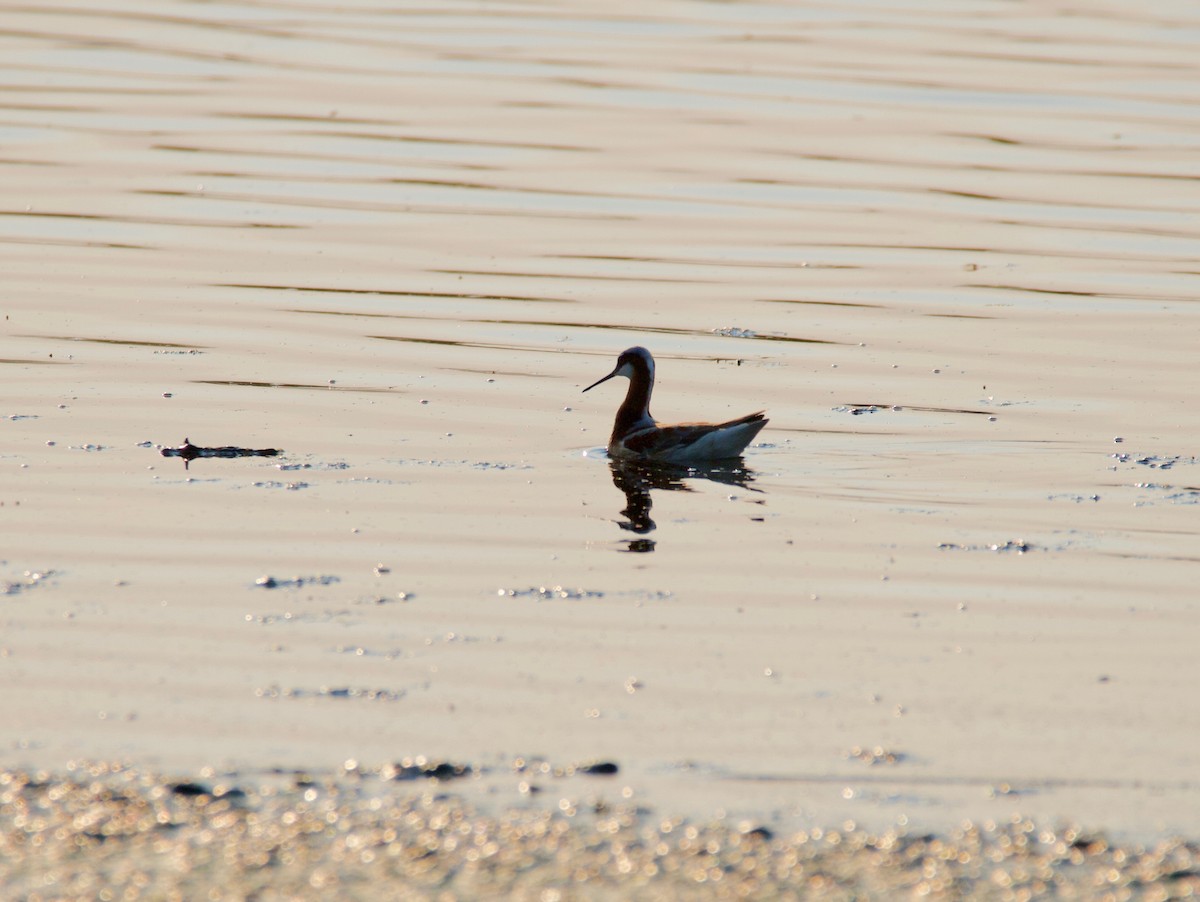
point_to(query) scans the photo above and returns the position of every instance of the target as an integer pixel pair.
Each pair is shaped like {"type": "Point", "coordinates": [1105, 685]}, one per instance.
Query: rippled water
{"type": "Point", "coordinates": [950, 246]}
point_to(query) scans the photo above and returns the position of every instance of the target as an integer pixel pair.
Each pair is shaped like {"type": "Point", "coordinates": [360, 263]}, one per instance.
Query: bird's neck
{"type": "Point", "coordinates": [634, 411]}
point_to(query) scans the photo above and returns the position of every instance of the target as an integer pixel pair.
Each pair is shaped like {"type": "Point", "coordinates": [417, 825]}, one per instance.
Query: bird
{"type": "Point", "coordinates": [637, 435]}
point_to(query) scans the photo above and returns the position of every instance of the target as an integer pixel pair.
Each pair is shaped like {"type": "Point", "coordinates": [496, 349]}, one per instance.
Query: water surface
{"type": "Point", "coordinates": [950, 247]}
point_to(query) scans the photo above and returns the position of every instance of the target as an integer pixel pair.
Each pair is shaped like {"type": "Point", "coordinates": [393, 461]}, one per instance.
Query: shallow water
{"type": "Point", "coordinates": [950, 247]}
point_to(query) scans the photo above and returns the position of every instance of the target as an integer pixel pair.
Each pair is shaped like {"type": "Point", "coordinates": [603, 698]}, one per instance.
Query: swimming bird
{"type": "Point", "coordinates": [638, 436]}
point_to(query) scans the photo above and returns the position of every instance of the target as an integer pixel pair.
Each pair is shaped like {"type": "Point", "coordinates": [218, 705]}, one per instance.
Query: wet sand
{"type": "Point", "coordinates": [950, 248]}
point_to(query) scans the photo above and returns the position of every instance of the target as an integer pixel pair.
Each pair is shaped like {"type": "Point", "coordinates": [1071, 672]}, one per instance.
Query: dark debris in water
{"type": "Point", "coordinates": [550, 593]}
{"type": "Point", "coordinates": [735, 332]}
{"type": "Point", "coordinates": [190, 789]}
{"type": "Point", "coordinates": [360, 651]}
{"type": "Point", "coordinates": [189, 452]}
{"type": "Point", "coordinates": [1173, 494]}
{"type": "Point", "coordinates": [859, 409]}
{"type": "Point", "coordinates": [326, 616]}
{"type": "Point", "coordinates": [1188, 495]}
{"type": "Point", "coordinates": [1018, 546]}
{"type": "Point", "coordinates": [1007, 789]}
{"type": "Point", "coordinates": [1177, 494]}
{"type": "Point", "coordinates": [540, 767]}
{"type": "Point", "coordinates": [598, 769]}
{"type": "Point", "coordinates": [546, 593]}
{"type": "Point", "coordinates": [28, 580]}
{"type": "Point", "coordinates": [276, 484]}
{"type": "Point", "coordinates": [1154, 461]}
{"type": "Point", "coordinates": [473, 464]}
{"type": "Point", "coordinates": [387, 599]}
{"type": "Point", "coordinates": [420, 768]}
{"type": "Point", "coordinates": [875, 755]}
{"type": "Point", "coordinates": [296, 582]}
{"type": "Point", "coordinates": [337, 692]}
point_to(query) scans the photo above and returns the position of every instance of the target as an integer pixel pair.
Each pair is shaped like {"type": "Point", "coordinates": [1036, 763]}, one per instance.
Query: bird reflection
{"type": "Point", "coordinates": [638, 478]}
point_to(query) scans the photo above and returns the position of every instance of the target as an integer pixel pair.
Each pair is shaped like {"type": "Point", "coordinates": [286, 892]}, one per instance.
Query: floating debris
{"type": "Point", "coordinates": [28, 580]}
{"type": "Point", "coordinates": [598, 769]}
{"type": "Point", "coordinates": [420, 768]}
{"type": "Point", "coordinates": [360, 652]}
{"type": "Point", "coordinates": [290, 617]}
{"type": "Point", "coordinates": [1153, 461]}
{"type": "Point", "coordinates": [192, 789]}
{"type": "Point", "coordinates": [384, 599]}
{"type": "Point", "coordinates": [876, 755]}
{"type": "Point", "coordinates": [649, 594]}
{"type": "Point", "coordinates": [270, 582]}
{"type": "Point", "coordinates": [858, 409]}
{"type": "Point", "coordinates": [276, 484]}
{"type": "Point", "coordinates": [1187, 496]}
{"type": "Point", "coordinates": [735, 332]}
{"type": "Point", "coordinates": [546, 593]}
{"type": "Point", "coordinates": [340, 692]}
{"type": "Point", "coordinates": [190, 452]}
{"type": "Point", "coordinates": [542, 767]}
{"type": "Point", "coordinates": [473, 464]}
{"type": "Point", "coordinates": [1007, 789]}
{"type": "Point", "coordinates": [1018, 545]}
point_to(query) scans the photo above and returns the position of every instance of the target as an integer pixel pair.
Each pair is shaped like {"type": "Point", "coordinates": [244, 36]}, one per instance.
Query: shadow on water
{"type": "Point", "coordinates": [638, 479]}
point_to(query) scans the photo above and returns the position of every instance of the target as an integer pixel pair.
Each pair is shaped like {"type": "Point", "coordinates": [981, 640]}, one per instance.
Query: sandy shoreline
{"type": "Point", "coordinates": [110, 832]}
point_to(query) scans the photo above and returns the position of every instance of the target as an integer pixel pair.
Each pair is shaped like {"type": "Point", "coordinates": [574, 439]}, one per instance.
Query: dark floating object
{"type": "Point", "coordinates": [876, 755]}
{"type": "Point", "coordinates": [429, 770]}
{"type": "Point", "coordinates": [190, 789]}
{"type": "Point", "coordinates": [270, 582]}
{"type": "Point", "coordinates": [1020, 546]}
{"type": "Point", "coordinates": [190, 452]}
{"type": "Point", "coordinates": [599, 768]}
{"type": "Point", "coordinates": [337, 692]}
{"type": "Point", "coordinates": [860, 409]}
